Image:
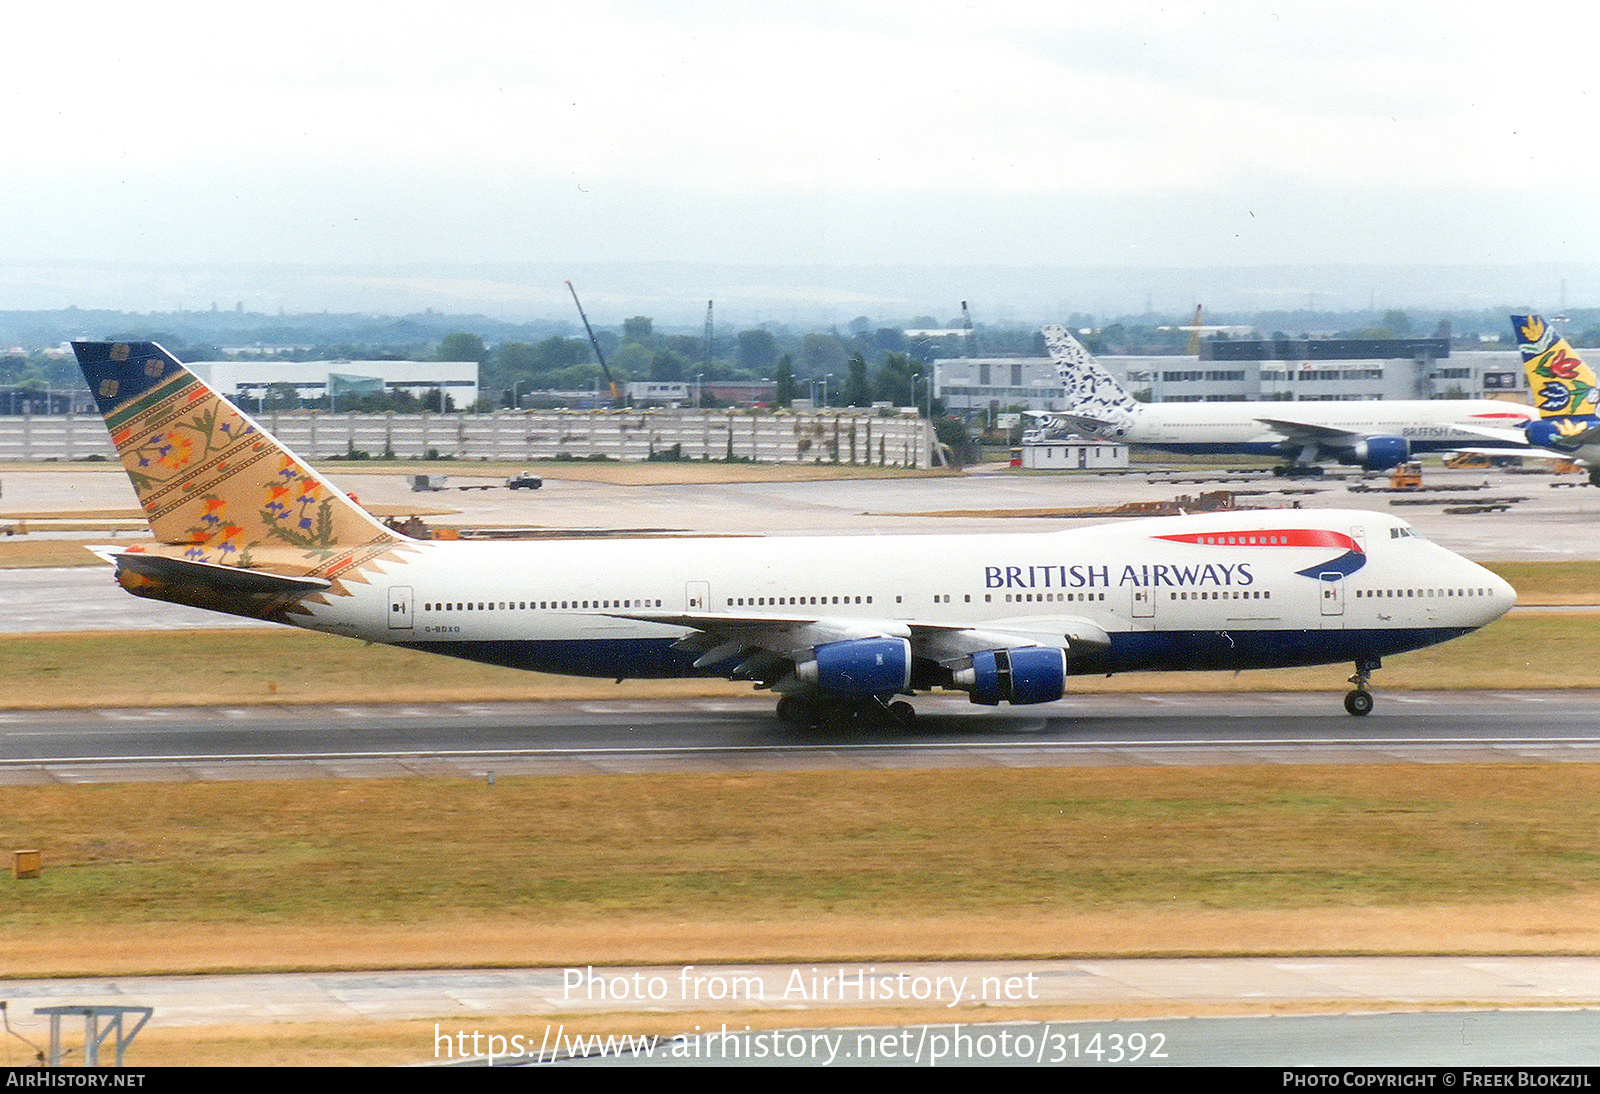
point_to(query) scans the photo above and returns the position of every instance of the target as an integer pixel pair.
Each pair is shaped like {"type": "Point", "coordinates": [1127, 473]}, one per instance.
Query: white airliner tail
{"type": "Point", "coordinates": [1096, 405]}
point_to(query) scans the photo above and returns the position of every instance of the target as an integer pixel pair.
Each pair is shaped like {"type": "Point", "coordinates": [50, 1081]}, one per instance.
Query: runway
{"type": "Point", "coordinates": [566, 738]}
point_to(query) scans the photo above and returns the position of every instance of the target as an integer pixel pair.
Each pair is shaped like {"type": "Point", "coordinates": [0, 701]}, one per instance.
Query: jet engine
{"type": "Point", "coordinates": [1378, 453]}
{"type": "Point", "coordinates": [1029, 674]}
{"type": "Point", "coordinates": [861, 666]}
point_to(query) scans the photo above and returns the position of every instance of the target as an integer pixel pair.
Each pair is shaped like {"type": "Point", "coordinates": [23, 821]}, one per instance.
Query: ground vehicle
{"type": "Point", "coordinates": [524, 480]}
{"type": "Point", "coordinates": [1406, 476]}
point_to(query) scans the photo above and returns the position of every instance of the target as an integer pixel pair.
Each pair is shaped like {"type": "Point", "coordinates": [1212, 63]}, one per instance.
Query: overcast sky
{"type": "Point", "coordinates": [827, 135]}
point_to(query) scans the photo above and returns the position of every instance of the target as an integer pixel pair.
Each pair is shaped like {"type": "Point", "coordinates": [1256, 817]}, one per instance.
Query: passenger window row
{"type": "Point", "coordinates": [1390, 594]}
{"type": "Point", "coordinates": [534, 605]}
{"type": "Point", "coordinates": [790, 601]}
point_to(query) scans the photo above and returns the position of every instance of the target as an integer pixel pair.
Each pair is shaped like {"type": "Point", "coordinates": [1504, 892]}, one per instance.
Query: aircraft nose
{"type": "Point", "coordinates": [1501, 596]}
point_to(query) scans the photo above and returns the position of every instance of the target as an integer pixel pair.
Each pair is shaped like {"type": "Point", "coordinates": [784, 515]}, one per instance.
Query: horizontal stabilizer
{"type": "Point", "coordinates": [1085, 426]}
{"type": "Point", "coordinates": [229, 578]}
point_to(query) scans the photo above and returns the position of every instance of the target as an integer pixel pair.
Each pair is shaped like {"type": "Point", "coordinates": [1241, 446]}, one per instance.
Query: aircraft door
{"type": "Point", "coordinates": [399, 607]}
{"type": "Point", "coordinates": [1332, 590]}
{"type": "Point", "coordinates": [1144, 602]}
{"type": "Point", "coordinates": [697, 596]}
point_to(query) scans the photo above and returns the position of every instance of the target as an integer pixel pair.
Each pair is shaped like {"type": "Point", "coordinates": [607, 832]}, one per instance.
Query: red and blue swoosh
{"type": "Point", "coordinates": [1351, 558]}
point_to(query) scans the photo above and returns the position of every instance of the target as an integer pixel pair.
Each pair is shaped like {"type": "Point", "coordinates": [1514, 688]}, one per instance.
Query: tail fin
{"type": "Point", "coordinates": [1096, 403]}
{"type": "Point", "coordinates": [214, 485]}
{"type": "Point", "coordinates": [1561, 384]}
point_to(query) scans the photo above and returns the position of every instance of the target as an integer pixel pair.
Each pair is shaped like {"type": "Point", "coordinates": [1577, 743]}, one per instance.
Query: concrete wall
{"type": "Point", "coordinates": [821, 437]}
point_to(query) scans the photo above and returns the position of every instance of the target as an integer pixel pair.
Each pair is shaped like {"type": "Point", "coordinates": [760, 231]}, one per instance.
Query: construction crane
{"type": "Point", "coordinates": [1194, 331]}
{"type": "Point", "coordinates": [709, 333]}
{"type": "Point", "coordinates": [966, 323]}
{"type": "Point", "coordinates": [616, 392]}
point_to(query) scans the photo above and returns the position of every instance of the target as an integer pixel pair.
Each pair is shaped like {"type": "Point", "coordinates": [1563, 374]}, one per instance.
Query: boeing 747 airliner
{"type": "Point", "coordinates": [839, 627]}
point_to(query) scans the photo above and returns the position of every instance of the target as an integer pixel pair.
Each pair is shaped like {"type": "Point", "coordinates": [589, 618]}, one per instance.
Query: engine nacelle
{"type": "Point", "coordinates": [1028, 674]}
{"type": "Point", "coordinates": [861, 666]}
{"type": "Point", "coordinates": [1378, 453]}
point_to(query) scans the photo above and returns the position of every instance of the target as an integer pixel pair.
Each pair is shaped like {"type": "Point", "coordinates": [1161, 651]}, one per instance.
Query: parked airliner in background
{"type": "Point", "coordinates": [839, 627]}
{"type": "Point", "coordinates": [1565, 391]}
{"type": "Point", "coordinates": [1373, 434]}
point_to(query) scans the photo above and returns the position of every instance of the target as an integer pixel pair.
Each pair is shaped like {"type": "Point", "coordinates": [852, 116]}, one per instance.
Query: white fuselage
{"type": "Point", "coordinates": [1236, 590]}
{"type": "Point", "coordinates": [1243, 426]}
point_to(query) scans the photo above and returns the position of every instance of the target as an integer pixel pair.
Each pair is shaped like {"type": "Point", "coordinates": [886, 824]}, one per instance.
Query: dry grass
{"type": "Point", "coordinates": [282, 665]}
{"type": "Point", "coordinates": [274, 665]}
{"type": "Point", "coordinates": [29, 552]}
{"type": "Point", "coordinates": [788, 868]}
{"type": "Point", "coordinates": [1568, 582]}
{"type": "Point", "coordinates": [803, 866]}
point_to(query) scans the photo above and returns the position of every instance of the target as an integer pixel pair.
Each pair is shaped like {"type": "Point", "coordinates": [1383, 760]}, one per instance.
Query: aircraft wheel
{"type": "Point", "coordinates": [903, 714]}
{"type": "Point", "coordinates": [1358, 702]}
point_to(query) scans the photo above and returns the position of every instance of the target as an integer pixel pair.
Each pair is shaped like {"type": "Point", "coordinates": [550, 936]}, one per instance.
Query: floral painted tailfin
{"type": "Point", "coordinates": [1563, 386]}
{"type": "Point", "coordinates": [216, 487]}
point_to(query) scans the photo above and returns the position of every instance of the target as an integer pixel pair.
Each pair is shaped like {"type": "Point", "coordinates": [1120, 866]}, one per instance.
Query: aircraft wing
{"type": "Point", "coordinates": [1581, 445]}
{"type": "Point", "coordinates": [1515, 437]}
{"type": "Point", "coordinates": [1305, 433]}
{"type": "Point", "coordinates": [771, 647]}
{"type": "Point", "coordinates": [950, 642]}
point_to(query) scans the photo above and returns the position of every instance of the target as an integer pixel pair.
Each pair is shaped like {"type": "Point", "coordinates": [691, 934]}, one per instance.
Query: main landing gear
{"type": "Point", "coordinates": [1359, 701]}
{"type": "Point", "coordinates": [845, 712]}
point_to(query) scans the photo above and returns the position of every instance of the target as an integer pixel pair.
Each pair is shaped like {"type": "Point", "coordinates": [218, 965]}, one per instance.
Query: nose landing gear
{"type": "Point", "coordinates": [1358, 702]}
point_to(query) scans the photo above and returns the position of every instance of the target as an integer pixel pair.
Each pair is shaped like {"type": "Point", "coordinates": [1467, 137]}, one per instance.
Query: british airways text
{"type": "Point", "coordinates": [1099, 577]}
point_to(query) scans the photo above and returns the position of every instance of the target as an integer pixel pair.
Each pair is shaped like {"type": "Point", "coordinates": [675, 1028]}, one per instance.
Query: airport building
{"type": "Point", "coordinates": [1264, 370]}
{"type": "Point", "coordinates": [316, 379]}
{"type": "Point", "coordinates": [973, 387]}
{"type": "Point", "coordinates": [1070, 453]}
